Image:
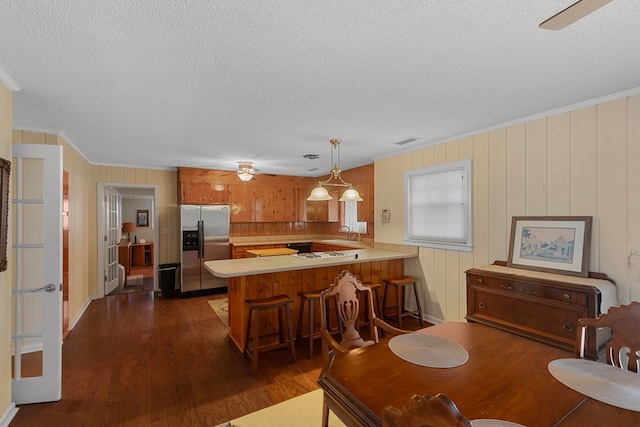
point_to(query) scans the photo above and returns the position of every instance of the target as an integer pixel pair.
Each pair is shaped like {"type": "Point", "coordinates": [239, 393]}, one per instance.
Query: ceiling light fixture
{"type": "Point", "coordinates": [320, 193]}
{"type": "Point", "coordinates": [246, 171]}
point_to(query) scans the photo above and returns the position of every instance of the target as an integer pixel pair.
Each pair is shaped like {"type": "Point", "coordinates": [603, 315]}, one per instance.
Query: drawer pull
{"type": "Point", "coordinates": [567, 296]}
{"type": "Point", "coordinates": [480, 280]}
{"type": "Point", "coordinates": [507, 287]}
{"type": "Point", "coordinates": [568, 327]}
{"type": "Point", "coordinates": [482, 305]}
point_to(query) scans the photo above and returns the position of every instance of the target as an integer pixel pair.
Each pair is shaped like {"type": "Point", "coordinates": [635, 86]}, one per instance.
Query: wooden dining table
{"type": "Point", "coordinates": [506, 378]}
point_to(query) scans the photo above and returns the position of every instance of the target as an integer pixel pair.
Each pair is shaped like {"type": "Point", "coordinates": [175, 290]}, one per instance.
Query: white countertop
{"type": "Point", "coordinates": [249, 266]}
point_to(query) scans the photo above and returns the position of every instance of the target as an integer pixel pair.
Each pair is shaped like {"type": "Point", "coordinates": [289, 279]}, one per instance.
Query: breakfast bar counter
{"type": "Point", "coordinates": [262, 277]}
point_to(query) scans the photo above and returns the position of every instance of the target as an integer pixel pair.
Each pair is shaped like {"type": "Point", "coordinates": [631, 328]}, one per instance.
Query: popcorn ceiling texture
{"type": "Point", "coordinates": [211, 83]}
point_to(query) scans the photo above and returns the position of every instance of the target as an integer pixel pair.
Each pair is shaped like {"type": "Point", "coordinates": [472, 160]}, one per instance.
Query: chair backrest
{"type": "Point", "coordinates": [623, 349]}
{"type": "Point", "coordinates": [425, 411]}
{"type": "Point", "coordinates": [344, 291]}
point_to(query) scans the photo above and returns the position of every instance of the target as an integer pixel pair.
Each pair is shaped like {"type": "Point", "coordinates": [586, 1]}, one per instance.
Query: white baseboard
{"type": "Point", "coordinates": [8, 415]}
{"type": "Point", "coordinates": [77, 317]}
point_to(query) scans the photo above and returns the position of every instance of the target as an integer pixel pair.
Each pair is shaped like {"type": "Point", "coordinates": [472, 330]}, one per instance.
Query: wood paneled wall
{"type": "Point", "coordinates": [580, 162]}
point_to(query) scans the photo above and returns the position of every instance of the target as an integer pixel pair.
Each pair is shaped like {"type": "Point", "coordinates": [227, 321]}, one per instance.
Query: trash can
{"type": "Point", "coordinates": [167, 278]}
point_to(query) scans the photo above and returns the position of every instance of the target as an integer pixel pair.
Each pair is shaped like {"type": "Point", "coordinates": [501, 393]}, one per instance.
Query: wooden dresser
{"type": "Point", "coordinates": [541, 306]}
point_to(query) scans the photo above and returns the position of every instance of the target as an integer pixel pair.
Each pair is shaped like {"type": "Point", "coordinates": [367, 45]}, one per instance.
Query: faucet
{"type": "Point", "coordinates": [349, 237]}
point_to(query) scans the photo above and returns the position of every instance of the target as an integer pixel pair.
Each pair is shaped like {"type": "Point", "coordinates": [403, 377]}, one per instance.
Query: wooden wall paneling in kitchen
{"type": "Point", "coordinates": [242, 205]}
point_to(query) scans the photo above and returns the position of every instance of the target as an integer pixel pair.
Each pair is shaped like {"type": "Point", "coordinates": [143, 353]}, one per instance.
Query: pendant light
{"type": "Point", "coordinates": [320, 193]}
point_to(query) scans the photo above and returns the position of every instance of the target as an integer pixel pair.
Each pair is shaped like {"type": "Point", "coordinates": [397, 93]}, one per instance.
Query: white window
{"type": "Point", "coordinates": [437, 206]}
{"type": "Point", "coordinates": [351, 218]}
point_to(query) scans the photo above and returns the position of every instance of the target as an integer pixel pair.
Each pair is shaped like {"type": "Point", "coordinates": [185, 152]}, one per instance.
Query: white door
{"type": "Point", "coordinates": [36, 339]}
{"type": "Point", "coordinates": [111, 239]}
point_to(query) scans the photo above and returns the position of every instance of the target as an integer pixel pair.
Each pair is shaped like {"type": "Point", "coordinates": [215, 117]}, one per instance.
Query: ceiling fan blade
{"type": "Point", "coordinates": [573, 13]}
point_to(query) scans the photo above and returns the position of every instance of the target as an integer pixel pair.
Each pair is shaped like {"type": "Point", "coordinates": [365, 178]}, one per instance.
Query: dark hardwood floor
{"type": "Point", "coordinates": [138, 360]}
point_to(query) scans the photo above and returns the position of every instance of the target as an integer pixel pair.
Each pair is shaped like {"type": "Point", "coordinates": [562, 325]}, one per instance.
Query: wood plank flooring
{"type": "Point", "coordinates": [138, 360]}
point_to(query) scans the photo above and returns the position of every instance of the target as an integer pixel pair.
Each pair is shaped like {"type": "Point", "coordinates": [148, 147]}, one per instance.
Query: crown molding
{"type": "Point", "coordinates": [8, 81]}
{"type": "Point", "coordinates": [534, 117]}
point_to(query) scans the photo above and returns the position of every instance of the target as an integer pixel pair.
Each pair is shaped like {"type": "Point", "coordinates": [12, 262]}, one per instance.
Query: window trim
{"type": "Point", "coordinates": [466, 167]}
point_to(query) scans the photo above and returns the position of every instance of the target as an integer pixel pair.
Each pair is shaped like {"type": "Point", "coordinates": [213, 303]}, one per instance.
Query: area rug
{"type": "Point", "coordinates": [221, 308]}
{"type": "Point", "coordinates": [301, 411]}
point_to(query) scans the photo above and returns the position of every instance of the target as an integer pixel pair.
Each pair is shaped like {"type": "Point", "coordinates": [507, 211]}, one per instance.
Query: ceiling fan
{"type": "Point", "coordinates": [573, 13]}
{"type": "Point", "coordinates": [246, 172]}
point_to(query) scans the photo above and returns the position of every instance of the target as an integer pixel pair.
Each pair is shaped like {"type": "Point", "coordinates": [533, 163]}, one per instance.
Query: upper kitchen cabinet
{"type": "Point", "coordinates": [242, 207]}
{"type": "Point", "coordinates": [275, 204]}
{"type": "Point", "coordinates": [202, 187]}
{"type": "Point", "coordinates": [325, 211]}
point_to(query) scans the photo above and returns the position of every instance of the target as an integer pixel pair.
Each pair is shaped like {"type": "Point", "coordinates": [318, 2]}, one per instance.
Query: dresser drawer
{"type": "Point", "coordinates": [529, 315]}
{"type": "Point", "coordinates": [564, 295]}
{"type": "Point", "coordinates": [525, 288]}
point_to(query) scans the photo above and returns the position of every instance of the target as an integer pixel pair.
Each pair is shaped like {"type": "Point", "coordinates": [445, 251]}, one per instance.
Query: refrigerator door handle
{"type": "Point", "coordinates": [200, 239]}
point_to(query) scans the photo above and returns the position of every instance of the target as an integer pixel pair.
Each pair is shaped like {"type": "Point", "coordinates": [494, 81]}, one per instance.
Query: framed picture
{"type": "Point", "coordinates": [555, 244]}
{"type": "Point", "coordinates": [5, 170]}
{"type": "Point", "coordinates": [142, 218]}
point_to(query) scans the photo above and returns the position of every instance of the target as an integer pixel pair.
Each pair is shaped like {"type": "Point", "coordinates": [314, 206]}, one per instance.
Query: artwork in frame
{"type": "Point", "coordinates": [5, 170]}
{"type": "Point", "coordinates": [142, 218]}
{"type": "Point", "coordinates": [555, 244]}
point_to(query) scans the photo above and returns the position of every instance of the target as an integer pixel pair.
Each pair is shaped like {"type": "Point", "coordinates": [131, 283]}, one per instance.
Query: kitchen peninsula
{"type": "Point", "coordinates": [289, 274]}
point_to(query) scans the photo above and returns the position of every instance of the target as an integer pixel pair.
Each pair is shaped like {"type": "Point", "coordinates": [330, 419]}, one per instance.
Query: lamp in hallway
{"type": "Point", "coordinates": [128, 227]}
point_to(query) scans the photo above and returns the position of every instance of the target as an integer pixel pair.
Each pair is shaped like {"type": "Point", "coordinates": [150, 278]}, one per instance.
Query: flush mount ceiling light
{"type": "Point", "coordinates": [246, 171]}
{"type": "Point", "coordinates": [320, 193]}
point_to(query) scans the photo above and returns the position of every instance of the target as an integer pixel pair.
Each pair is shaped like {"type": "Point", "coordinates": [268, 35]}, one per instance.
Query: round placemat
{"type": "Point", "coordinates": [600, 381]}
{"type": "Point", "coordinates": [428, 350]}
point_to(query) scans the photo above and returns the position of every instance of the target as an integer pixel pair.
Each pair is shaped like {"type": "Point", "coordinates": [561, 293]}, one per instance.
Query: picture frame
{"type": "Point", "coordinates": [142, 218]}
{"type": "Point", "coordinates": [554, 244]}
{"type": "Point", "coordinates": [5, 171]}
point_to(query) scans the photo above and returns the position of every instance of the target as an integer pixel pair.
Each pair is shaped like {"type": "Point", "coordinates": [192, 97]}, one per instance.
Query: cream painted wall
{"type": "Point", "coordinates": [83, 183]}
{"type": "Point", "coordinates": [6, 406]}
{"type": "Point", "coordinates": [581, 162]}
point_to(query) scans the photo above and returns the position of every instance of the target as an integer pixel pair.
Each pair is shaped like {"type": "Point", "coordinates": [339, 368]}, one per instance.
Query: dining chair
{"type": "Point", "coordinates": [425, 411]}
{"type": "Point", "coordinates": [623, 349]}
{"type": "Point", "coordinates": [343, 296]}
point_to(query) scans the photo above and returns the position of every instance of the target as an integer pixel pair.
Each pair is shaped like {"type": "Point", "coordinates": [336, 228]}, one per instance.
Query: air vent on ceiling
{"type": "Point", "coordinates": [407, 140]}
{"type": "Point", "coordinates": [312, 156]}
{"type": "Point", "coordinates": [312, 170]}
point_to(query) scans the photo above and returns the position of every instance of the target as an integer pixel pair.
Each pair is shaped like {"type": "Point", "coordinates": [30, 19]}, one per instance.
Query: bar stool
{"type": "Point", "coordinates": [400, 283]}
{"type": "Point", "coordinates": [282, 303]}
{"type": "Point", "coordinates": [310, 297]}
{"type": "Point", "coordinates": [375, 288]}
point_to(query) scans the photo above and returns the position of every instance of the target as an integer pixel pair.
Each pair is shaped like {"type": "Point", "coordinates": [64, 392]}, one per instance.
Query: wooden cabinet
{"type": "Point", "coordinates": [124, 257]}
{"type": "Point", "coordinates": [242, 204]}
{"type": "Point", "coordinates": [275, 204]}
{"type": "Point", "coordinates": [142, 254]}
{"type": "Point", "coordinates": [541, 306]}
{"type": "Point", "coordinates": [203, 193]}
{"type": "Point", "coordinates": [326, 211]}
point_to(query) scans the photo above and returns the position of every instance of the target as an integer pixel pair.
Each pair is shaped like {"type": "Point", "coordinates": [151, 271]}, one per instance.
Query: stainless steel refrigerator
{"type": "Point", "coordinates": [204, 237]}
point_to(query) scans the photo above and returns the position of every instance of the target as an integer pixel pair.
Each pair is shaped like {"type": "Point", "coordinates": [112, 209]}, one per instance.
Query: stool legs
{"type": "Point", "coordinates": [251, 350]}
{"type": "Point", "coordinates": [400, 285]}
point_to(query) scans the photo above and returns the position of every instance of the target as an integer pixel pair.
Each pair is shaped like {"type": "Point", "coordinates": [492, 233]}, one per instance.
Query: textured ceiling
{"type": "Point", "coordinates": [206, 83]}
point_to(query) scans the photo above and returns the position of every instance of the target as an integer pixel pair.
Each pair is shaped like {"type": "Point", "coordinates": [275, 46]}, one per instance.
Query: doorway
{"type": "Point", "coordinates": [128, 236]}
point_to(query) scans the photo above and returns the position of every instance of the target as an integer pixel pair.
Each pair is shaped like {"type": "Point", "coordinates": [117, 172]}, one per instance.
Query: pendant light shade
{"type": "Point", "coordinates": [320, 193]}
{"type": "Point", "coordinates": [350, 194]}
